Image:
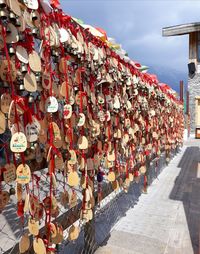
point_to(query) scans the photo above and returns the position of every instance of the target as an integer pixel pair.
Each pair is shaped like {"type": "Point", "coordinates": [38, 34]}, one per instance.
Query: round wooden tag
{"type": "Point", "coordinates": [31, 4]}
{"type": "Point", "coordinates": [111, 177]}
{"type": "Point", "coordinates": [22, 54]}
{"type": "Point", "coordinates": [155, 135]}
{"type": "Point", "coordinates": [51, 105]}
{"type": "Point", "coordinates": [33, 227]}
{"type": "Point", "coordinates": [24, 243]}
{"type": "Point", "coordinates": [81, 120]}
{"type": "Point", "coordinates": [38, 246]}
{"type": "Point", "coordinates": [70, 167]}
{"type": "Point", "coordinates": [73, 199]}
{"type": "Point", "coordinates": [55, 212]}
{"type": "Point", "coordinates": [116, 103]}
{"type": "Point", "coordinates": [111, 156]}
{"type": "Point", "coordinates": [34, 203]}
{"type": "Point", "coordinates": [66, 87]}
{"type": "Point", "coordinates": [15, 7]}
{"type": "Point", "coordinates": [101, 116]}
{"type": "Point", "coordinates": [59, 162]}
{"type": "Point", "coordinates": [82, 143]}
{"type": "Point", "coordinates": [56, 131]}
{"type": "Point", "coordinates": [2, 123]}
{"type": "Point", "coordinates": [18, 143]}
{"type": "Point", "coordinates": [4, 199]}
{"type": "Point", "coordinates": [115, 185]}
{"type": "Point", "coordinates": [67, 111]}
{"type": "Point", "coordinates": [108, 117]}
{"type": "Point", "coordinates": [35, 62]}
{"type": "Point", "coordinates": [5, 73]}
{"type": "Point", "coordinates": [50, 203]}
{"type": "Point", "coordinates": [109, 164]}
{"type": "Point", "coordinates": [13, 36]}
{"type": "Point", "coordinates": [73, 179]}
{"type": "Point", "coordinates": [39, 211]}
{"type": "Point", "coordinates": [26, 203]}
{"type": "Point", "coordinates": [73, 158]}
{"type": "Point", "coordinates": [97, 160]}
{"type": "Point", "coordinates": [73, 233]}
{"type": "Point", "coordinates": [5, 102]}
{"type": "Point", "coordinates": [142, 170]}
{"type": "Point", "coordinates": [32, 130]}
{"type": "Point", "coordinates": [46, 80]}
{"type": "Point", "coordinates": [58, 142]}
{"type": "Point", "coordinates": [59, 236]}
{"type": "Point", "coordinates": [63, 66]}
{"type": "Point", "coordinates": [9, 175]}
{"type": "Point", "coordinates": [27, 18]}
{"type": "Point", "coordinates": [78, 99]}
{"type": "Point", "coordinates": [86, 215]}
{"type": "Point", "coordinates": [90, 164]}
{"type": "Point", "coordinates": [53, 230]}
{"type": "Point", "coordinates": [30, 83]}
{"type": "Point", "coordinates": [64, 198]}
{"type": "Point", "coordinates": [23, 174]}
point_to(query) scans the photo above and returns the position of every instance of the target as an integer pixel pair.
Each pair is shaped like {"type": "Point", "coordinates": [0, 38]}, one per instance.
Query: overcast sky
{"type": "Point", "coordinates": [137, 25]}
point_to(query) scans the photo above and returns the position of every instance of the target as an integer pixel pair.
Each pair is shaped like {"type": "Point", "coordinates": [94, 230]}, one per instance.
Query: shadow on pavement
{"type": "Point", "coordinates": [187, 189]}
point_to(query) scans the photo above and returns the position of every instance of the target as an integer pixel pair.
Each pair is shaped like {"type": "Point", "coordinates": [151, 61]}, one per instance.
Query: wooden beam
{"type": "Point", "coordinates": [181, 29]}
{"type": "Point", "coordinates": [181, 90]}
{"type": "Point", "coordinates": [187, 103]}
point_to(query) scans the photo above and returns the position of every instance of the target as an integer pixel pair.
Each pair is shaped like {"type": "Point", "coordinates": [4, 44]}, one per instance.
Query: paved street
{"type": "Point", "coordinates": [167, 219]}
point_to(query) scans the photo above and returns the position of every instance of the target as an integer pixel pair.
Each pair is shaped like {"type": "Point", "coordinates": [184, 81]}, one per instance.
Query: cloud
{"type": "Point", "coordinates": [137, 25]}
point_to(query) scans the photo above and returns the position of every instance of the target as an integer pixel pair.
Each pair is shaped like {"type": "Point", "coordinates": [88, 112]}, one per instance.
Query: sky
{"type": "Point", "coordinates": [137, 25]}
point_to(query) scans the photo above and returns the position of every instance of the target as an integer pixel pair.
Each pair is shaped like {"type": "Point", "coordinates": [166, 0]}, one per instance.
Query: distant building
{"type": "Point", "coordinates": [193, 30]}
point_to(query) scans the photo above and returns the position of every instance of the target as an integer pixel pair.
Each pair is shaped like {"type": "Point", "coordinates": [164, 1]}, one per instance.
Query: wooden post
{"type": "Point", "coordinates": [188, 112]}
{"type": "Point", "coordinates": [181, 90]}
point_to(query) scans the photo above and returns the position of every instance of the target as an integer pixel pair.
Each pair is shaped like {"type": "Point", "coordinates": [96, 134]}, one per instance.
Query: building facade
{"type": "Point", "coordinates": [193, 31]}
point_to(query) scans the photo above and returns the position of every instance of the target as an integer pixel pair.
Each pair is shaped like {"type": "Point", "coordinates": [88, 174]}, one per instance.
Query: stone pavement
{"type": "Point", "coordinates": [167, 219]}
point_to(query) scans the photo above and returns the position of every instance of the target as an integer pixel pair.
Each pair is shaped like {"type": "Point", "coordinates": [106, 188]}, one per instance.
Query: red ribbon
{"type": "Point", "coordinates": [23, 104]}
{"type": "Point", "coordinates": [55, 3]}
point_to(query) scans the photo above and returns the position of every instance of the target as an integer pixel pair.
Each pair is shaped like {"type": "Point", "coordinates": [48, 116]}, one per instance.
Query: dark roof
{"type": "Point", "coordinates": [181, 29]}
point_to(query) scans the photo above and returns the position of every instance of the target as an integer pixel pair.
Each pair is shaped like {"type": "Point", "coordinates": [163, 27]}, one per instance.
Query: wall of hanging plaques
{"type": "Point", "coordinates": [77, 115]}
